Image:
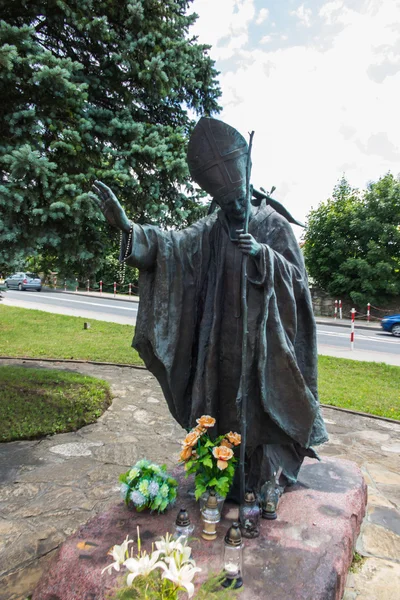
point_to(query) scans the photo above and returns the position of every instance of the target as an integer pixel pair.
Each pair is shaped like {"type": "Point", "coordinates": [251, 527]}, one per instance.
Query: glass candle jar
{"type": "Point", "coordinates": [233, 557]}
{"type": "Point", "coordinates": [270, 494]}
{"type": "Point", "coordinates": [183, 526]}
{"type": "Point", "coordinates": [204, 497]}
{"type": "Point", "coordinates": [211, 517]}
{"type": "Point", "coordinates": [249, 516]}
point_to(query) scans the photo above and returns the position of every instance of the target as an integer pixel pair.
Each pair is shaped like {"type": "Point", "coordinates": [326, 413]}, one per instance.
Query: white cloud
{"type": "Point", "coordinates": [266, 39]}
{"type": "Point", "coordinates": [224, 24]}
{"type": "Point", "coordinates": [262, 16]}
{"type": "Point", "coordinates": [331, 11]}
{"type": "Point", "coordinates": [303, 14]}
{"type": "Point", "coordinates": [317, 112]}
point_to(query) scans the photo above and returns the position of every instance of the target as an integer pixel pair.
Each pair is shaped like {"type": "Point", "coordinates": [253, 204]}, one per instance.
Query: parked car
{"type": "Point", "coordinates": [24, 281]}
{"type": "Point", "coordinates": [392, 324]}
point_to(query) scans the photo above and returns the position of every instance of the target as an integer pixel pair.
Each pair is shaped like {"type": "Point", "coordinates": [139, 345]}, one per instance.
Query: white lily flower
{"type": "Point", "coordinates": [142, 565]}
{"type": "Point", "coordinates": [181, 556]}
{"type": "Point", "coordinates": [182, 577]}
{"type": "Point", "coordinates": [168, 545]}
{"type": "Point", "coordinates": [119, 554]}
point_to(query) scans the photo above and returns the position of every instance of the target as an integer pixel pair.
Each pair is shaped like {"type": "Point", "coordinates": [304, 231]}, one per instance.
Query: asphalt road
{"type": "Point", "coordinates": [374, 340]}
{"type": "Point", "coordinates": [103, 309]}
{"type": "Point", "coordinates": [372, 345]}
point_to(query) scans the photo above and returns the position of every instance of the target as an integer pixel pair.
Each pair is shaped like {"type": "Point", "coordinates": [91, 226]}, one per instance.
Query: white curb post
{"type": "Point", "coordinates": [115, 288]}
{"type": "Point", "coordinates": [368, 312]}
{"type": "Point", "coordinates": [101, 287]}
{"type": "Point", "coordinates": [76, 287]}
{"type": "Point", "coordinates": [353, 314]}
{"type": "Point", "coordinates": [340, 310]}
{"type": "Point", "coordinates": [336, 303]}
{"type": "Point", "coordinates": [130, 289]}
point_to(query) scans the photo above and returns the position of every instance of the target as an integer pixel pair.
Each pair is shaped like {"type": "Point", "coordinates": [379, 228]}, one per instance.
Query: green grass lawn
{"type": "Point", "coordinates": [35, 333]}
{"type": "Point", "coordinates": [37, 402]}
{"type": "Point", "coordinates": [367, 387]}
{"type": "Point", "coordinates": [363, 386]}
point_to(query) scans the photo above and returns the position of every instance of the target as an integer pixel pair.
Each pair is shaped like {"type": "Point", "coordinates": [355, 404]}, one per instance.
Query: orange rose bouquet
{"type": "Point", "coordinates": [212, 462]}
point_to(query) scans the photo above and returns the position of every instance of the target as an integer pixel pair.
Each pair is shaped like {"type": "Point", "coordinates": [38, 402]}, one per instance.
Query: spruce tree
{"type": "Point", "coordinates": [95, 89]}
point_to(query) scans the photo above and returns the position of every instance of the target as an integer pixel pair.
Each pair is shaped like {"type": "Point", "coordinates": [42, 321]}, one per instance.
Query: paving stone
{"type": "Point", "coordinates": [116, 453]}
{"type": "Point", "coordinates": [392, 493]}
{"type": "Point", "coordinates": [378, 580]}
{"type": "Point", "coordinates": [13, 586]}
{"type": "Point", "coordinates": [350, 595]}
{"type": "Point", "coordinates": [391, 448]}
{"type": "Point", "coordinates": [380, 542]}
{"type": "Point", "coordinates": [17, 453]}
{"type": "Point", "coordinates": [388, 425]}
{"type": "Point", "coordinates": [151, 400]}
{"type": "Point", "coordinates": [385, 461]}
{"type": "Point", "coordinates": [66, 475]}
{"type": "Point", "coordinates": [375, 498]}
{"type": "Point", "coordinates": [368, 479]}
{"type": "Point", "coordinates": [383, 475]}
{"type": "Point", "coordinates": [74, 448]}
{"type": "Point", "coordinates": [55, 501]}
{"type": "Point", "coordinates": [102, 473]}
{"type": "Point", "coordinates": [330, 422]}
{"type": "Point", "coordinates": [17, 493]}
{"type": "Point", "coordinates": [372, 436]}
{"type": "Point", "coordinates": [388, 518]}
{"type": "Point", "coordinates": [143, 416]}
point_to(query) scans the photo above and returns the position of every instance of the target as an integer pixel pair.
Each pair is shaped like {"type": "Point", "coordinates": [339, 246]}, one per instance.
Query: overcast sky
{"type": "Point", "coordinates": [318, 81]}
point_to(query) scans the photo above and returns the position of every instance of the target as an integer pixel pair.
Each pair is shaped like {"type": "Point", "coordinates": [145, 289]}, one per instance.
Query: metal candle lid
{"type": "Point", "coordinates": [249, 498]}
{"type": "Point", "coordinates": [233, 536]}
{"type": "Point", "coordinates": [212, 500]}
{"type": "Point", "coordinates": [182, 519]}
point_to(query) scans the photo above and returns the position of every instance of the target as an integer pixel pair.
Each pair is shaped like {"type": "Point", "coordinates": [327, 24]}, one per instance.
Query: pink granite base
{"type": "Point", "coordinates": [304, 555]}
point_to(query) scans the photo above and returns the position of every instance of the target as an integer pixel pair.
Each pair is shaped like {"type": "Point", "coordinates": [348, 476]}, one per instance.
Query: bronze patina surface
{"type": "Point", "coordinates": [190, 319]}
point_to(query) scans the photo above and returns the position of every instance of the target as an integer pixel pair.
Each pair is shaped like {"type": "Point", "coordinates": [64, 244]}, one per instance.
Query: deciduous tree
{"type": "Point", "coordinates": [352, 242]}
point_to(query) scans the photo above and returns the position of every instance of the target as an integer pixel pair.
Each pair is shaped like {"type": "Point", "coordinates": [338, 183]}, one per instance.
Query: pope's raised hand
{"type": "Point", "coordinates": [110, 207]}
{"type": "Point", "coordinates": [247, 244]}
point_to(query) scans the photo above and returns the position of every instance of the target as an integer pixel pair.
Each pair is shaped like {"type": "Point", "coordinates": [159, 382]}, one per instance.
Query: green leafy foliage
{"type": "Point", "coordinates": [95, 89]}
{"type": "Point", "coordinates": [200, 459]}
{"type": "Point", "coordinates": [352, 242]}
{"type": "Point", "coordinates": [211, 589]}
{"type": "Point", "coordinates": [357, 562]}
{"type": "Point", "coordinates": [39, 402]}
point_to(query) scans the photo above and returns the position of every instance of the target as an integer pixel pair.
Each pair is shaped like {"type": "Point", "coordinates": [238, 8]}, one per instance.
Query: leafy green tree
{"type": "Point", "coordinates": [352, 242]}
{"type": "Point", "coordinates": [95, 89]}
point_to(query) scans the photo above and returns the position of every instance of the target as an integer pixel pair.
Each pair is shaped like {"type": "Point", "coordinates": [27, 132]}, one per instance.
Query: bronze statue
{"type": "Point", "coordinates": [190, 319]}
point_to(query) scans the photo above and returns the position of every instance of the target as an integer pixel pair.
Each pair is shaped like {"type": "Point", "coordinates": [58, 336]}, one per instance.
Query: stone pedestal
{"type": "Point", "coordinates": [304, 555]}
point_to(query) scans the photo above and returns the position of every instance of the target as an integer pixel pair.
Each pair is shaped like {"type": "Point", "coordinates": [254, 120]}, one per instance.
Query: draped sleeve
{"type": "Point", "coordinates": [140, 250]}
{"type": "Point", "coordinates": [287, 343]}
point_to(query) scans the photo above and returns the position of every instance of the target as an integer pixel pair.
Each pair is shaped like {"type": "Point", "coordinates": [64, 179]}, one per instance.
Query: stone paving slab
{"type": "Point", "coordinates": [51, 487]}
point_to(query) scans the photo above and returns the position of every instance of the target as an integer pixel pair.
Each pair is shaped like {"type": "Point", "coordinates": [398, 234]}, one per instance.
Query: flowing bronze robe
{"type": "Point", "coordinates": [189, 334]}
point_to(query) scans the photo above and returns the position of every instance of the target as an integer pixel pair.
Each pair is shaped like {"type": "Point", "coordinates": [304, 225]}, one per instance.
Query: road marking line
{"type": "Point", "coordinates": [362, 337]}
{"type": "Point", "coordinates": [43, 297]}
